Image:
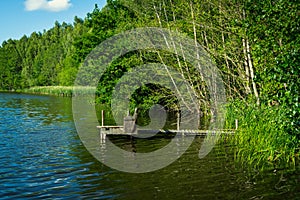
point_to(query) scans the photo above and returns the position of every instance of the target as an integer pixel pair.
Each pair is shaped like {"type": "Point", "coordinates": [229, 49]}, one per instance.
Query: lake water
{"type": "Point", "coordinates": [41, 156]}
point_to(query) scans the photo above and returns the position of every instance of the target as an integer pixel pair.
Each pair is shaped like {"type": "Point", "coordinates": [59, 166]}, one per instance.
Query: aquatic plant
{"type": "Point", "coordinates": [261, 139]}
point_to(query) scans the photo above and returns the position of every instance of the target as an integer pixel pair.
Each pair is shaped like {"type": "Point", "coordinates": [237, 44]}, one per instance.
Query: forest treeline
{"type": "Point", "coordinates": [255, 44]}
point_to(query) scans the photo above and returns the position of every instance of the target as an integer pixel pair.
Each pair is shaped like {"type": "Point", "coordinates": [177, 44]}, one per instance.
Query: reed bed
{"type": "Point", "coordinates": [261, 139]}
{"type": "Point", "coordinates": [66, 91]}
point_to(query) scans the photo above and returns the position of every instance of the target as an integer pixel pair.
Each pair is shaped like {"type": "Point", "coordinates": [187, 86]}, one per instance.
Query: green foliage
{"type": "Point", "coordinates": [255, 45]}
{"type": "Point", "coordinates": [273, 27]}
{"type": "Point", "coordinates": [100, 25]}
{"type": "Point", "coordinates": [261, 138]}
{"type": "Point", "coordinates": [35, 60]}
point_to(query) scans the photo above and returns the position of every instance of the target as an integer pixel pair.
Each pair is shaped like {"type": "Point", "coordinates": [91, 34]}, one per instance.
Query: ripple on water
{"type": "Point", "coordinates": [42, 157]}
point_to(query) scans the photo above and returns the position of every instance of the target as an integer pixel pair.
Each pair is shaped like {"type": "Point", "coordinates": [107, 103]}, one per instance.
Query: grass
{"type": "Point", "coordinates": [67, 91]}
{"type": "Point", "coordinates": [261, 139]}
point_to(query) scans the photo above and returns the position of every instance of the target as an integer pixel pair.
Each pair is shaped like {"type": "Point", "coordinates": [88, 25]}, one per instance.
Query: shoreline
{"type": "Point", "coordinates": [59, 91]}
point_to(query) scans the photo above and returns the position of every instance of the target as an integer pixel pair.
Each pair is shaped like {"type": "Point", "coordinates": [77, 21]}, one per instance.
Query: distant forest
{"type": "Point", "coordinates": [255, 45]}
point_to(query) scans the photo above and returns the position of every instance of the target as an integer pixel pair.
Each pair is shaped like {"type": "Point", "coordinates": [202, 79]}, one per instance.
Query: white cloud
{"type": "Point", "coordinates": [52, 5]}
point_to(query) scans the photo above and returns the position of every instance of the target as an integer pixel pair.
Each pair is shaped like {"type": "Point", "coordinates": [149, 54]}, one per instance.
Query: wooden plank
{"type": "Point", "coordinates": [119, 130]}
{"type": "Point", "coordinates": [109, 127]}
{"type": "Point", "coordinates": [202, 131]}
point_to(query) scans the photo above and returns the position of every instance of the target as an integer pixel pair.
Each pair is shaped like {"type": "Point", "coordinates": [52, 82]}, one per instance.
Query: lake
{"type": "Point", "coordinates": [41, 156]}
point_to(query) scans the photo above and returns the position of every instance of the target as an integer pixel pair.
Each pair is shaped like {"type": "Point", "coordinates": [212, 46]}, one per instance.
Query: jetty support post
{"type": "Point", "coordinates": [236, 124]}
{"type": "Point", "coordinates": [102, 129]}
{"type": "Point", "coordinates": [102, 134]}
{"type": "Point", "coordinates": [102, 118]}
{"type": "Point", "coordinates": [178, 121]}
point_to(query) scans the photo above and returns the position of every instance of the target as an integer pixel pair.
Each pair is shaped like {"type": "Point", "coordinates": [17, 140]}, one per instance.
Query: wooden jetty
{"type": "Point", "coordinates": [129, 128]}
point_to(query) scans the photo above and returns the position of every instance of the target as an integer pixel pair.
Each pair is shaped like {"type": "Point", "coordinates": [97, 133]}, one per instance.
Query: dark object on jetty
{"type": "Point", "coordinates": [129, 124]}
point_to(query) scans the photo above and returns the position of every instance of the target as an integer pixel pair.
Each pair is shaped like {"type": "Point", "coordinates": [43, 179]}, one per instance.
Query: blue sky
{"type": "Point", "coordinates": [22, 17]}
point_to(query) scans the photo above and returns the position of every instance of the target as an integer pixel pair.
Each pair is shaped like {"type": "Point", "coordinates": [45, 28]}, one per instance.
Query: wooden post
{"type": "Point", "coordinates": [135, 114]}
{"type": "Point", "coordinates": [102, 118]}
{"type": "Point", "coordinates": [178, 121]}
{"type": "Point", "coordinates": [236, 124]}
{"type": "Point", "coordinates": [102, 135]}
{"type": "Point", "coordinates": [100, 132]}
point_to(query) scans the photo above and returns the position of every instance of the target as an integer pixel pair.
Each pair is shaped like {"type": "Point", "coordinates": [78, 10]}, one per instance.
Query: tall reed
{"type": "Point", "coordinates": [261, 138]}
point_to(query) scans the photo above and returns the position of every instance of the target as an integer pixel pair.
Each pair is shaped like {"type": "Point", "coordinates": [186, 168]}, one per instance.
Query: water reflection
{"type": "Point", "coordinates": [43, 157]}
